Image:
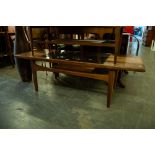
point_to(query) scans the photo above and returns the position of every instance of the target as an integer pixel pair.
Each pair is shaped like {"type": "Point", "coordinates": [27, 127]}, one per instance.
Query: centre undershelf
{"type": "Point", "coordinates": [77, 56]}
{"type": "Point", "coordinates": [84, 42]}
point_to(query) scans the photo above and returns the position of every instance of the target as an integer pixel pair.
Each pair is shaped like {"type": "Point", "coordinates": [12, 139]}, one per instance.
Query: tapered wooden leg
{"type": "Point", "coordinates": [110, 87]}
{"type": "Point", "coordinates": [50, 64]}
{"type": "Point", "coordinates": [56, 75]}
{"type": "Point", "coordinates": [12, 61]}
{"type": "Point", "coordinates": [46, 71]}
{"type": "Point", "coordinates": [116, 78]}
{"type": "Point", "coordinates": [119, 81]}
{"type": "Point", "coordinates": [34, 74]}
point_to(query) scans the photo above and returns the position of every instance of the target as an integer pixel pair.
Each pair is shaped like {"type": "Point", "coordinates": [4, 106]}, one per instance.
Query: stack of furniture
{"type": "Point", "coordinates": [77, 62]}
{"type": "Point", "coordinates": [148, 35]}
{"type": "Point", "coordinates": [73, 52]}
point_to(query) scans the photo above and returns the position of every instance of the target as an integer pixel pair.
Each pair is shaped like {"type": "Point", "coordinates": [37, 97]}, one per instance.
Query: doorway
{"type": "Point", "coordinates": [138, 32]}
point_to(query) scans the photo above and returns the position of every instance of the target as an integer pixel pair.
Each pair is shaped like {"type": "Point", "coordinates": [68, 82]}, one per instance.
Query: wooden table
{"type": "Point", "coordinates": [86, 69]}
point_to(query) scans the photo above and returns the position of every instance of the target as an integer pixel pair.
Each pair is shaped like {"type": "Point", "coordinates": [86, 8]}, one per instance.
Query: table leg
{"type": "Point", "coordinates": [116, 77]}
{"type": "Point", "coordinates": [55, 74]}
{"type": "Point", "coordinates": [34, 74]}
{"type": "Point", "coordinates": [110, 87]}
{"type": "Point", "coordinates": [119, 81]}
